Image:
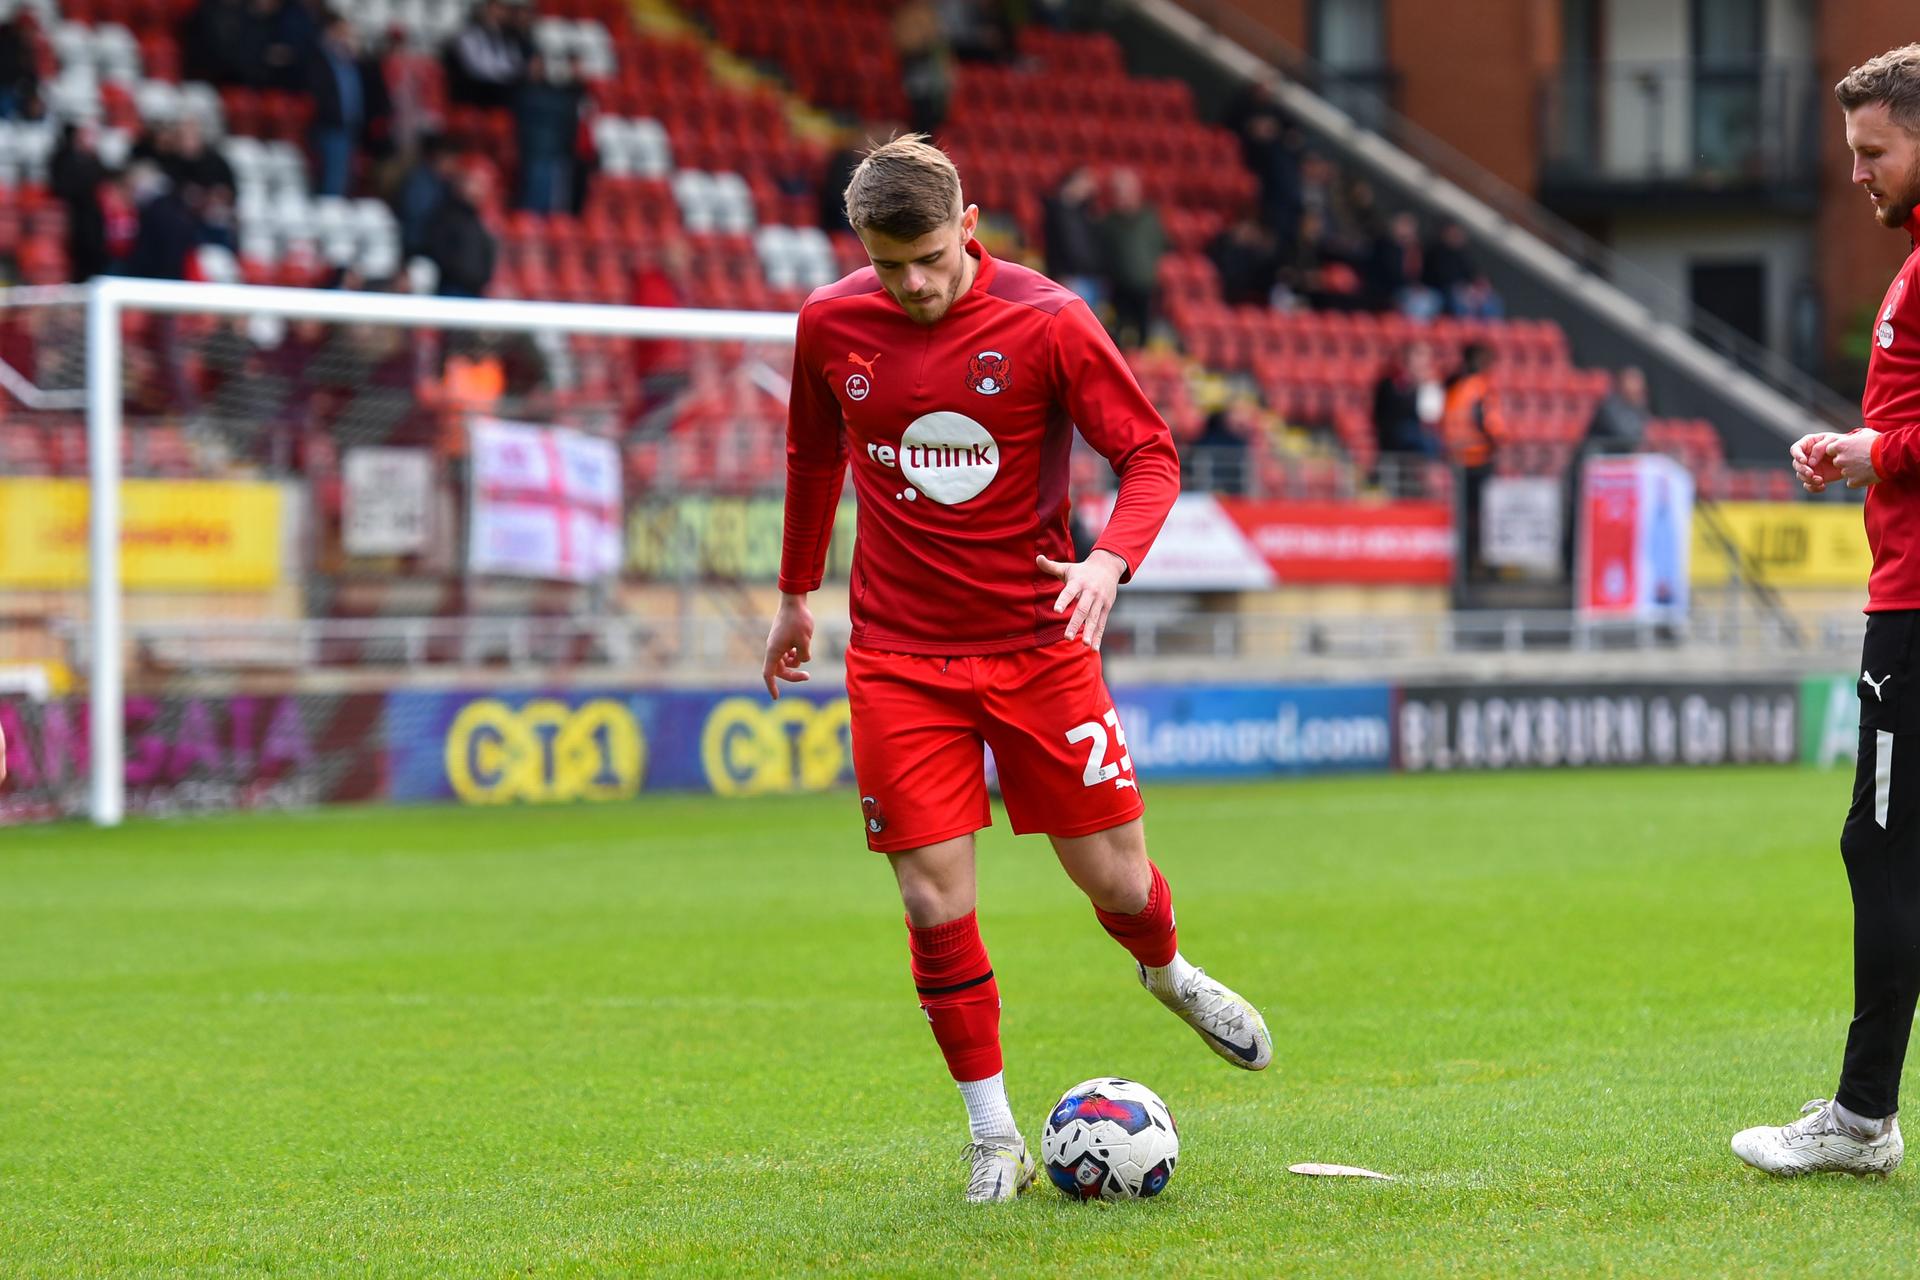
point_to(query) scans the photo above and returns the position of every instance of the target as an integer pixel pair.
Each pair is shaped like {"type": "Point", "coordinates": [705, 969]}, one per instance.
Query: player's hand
{"type": "Point", "coordinates": [1091, 587]}
{"type": "Point", "coordinates": [1811, 463]}
{"type": "Point", "coordinates": [789, 644]}
{"type": "Point", "coordinates": [1852, 454]}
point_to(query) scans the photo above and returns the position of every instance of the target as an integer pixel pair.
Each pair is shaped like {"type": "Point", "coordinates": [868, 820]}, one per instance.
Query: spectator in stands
{"type": "Point", "coordinates": [458, 242]}
{"type": "Point", "coordinates": [662, 367]}
{"type": "Point", "coordinates": [1322, 194]}
{"type": "Point", "coordinates": [1247, 261]}
{"type": "Point", "coordinates": [1216, 460]}
{"type": "Point", "coordinates": [1619, 425]}
{"type": "Point", "coordinates": [120, 221]}
{"type": "Point", "coordinates": [1072, 235]}
{"type": "Point", "coordinates": [841, 163]}
{"type": "Point", "coordinates": [1271, 147]}
{"type": "Point", "coordinates": [19, 76]}
{"type": "Point", "coordinates": [1408, 403]}
{"type": "Point", "coordinates": [487, 60]}
{"type": "Point", "coordinates": [412, 81]}
{"type": "Point", "coordinates": [1450, 271]}
{"type": "Point", "coordinates": [169, 229]}
{"type": "Point", "coordinates": [189, 161]}
{"type": "Point", "coordinates": [1317, 271]}
{"type": "Point", "coordinates": [75, 176]}
{"type": "Point", "coordinates": [1474, 431]}
{"type": "Point", "coordinates": [421, 190]}
{"type": "Point", "coordinates": [926, 69]}
{"type": "Point", "coordinates": [1619, 422]}
{"type": "Point", "coordinates": [546, 123]}
{"type": "Point", "coordinates": [341, 106]}
{"type": "Point", "coordinates": [1394, 265]}
{"type": "Point", "coordinates": [519, 27]}
{"type": "Point", "coordinates": [1135, 242]}
{"type": "Point", "coordinates": [980, 30]}
{"type": "Point", "coordinates": [222, 42]}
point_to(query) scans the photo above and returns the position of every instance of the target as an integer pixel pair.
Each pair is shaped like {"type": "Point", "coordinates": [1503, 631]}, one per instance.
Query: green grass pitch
{"type": "Point", "coordinates": [678, 1036]}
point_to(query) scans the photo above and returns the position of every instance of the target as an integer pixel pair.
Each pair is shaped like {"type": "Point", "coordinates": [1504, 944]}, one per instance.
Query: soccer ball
{"type": "Point", "coordinates": [1110, 1139]}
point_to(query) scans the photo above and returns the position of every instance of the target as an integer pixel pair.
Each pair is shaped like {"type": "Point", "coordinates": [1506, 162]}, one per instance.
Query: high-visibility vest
{"type": "Point", "coordinates": [1471, 423]}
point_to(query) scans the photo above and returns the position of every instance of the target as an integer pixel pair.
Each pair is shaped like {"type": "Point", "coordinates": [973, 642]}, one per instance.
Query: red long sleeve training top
{"type": "Point", "coordinates": [959, 434]}
{"type": "Point", "coordinates": [1891, 406]}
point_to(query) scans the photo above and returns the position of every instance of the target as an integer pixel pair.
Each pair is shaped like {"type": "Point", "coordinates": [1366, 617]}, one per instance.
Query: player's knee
{"type": "Point", "coordinates": [1119, 887]}
{"type": "Point", "coordinates": [930, 900]}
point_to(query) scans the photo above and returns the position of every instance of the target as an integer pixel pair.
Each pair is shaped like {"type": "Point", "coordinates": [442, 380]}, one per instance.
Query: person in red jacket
{"type": "Point", "coordinates": [952, 384]}
{"type": "Point", "coordinates": [1858, 1131]}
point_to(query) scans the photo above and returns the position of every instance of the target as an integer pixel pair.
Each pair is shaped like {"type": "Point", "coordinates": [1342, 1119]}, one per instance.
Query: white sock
{"type": "Point", "coordinates": [1867, 1127]}
{"type": "Point", "coordinates": [988, 1115]}
{"type": "Point", "coordinates": [1170, 977]}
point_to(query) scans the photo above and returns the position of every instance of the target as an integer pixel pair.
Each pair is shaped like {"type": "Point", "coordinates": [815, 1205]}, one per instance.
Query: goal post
{"type": "Point", "coordinates": [109, 301]}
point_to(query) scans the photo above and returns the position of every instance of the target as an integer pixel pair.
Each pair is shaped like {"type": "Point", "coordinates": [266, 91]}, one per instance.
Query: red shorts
{"type": "Point", "coordinates": [920, 723]}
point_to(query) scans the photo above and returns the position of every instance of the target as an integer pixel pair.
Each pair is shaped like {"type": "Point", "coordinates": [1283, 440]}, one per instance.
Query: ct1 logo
{"type": "Point", "coordinates": [544, 752]}
{"type": "Point", "coordinates": [749, 748]}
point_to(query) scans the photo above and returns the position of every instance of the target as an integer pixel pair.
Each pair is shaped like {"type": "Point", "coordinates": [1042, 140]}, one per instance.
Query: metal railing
{"type": "Point", "coordinates": [1698, 125]}
{"type": "Point", "coordinates": [1492, 643]}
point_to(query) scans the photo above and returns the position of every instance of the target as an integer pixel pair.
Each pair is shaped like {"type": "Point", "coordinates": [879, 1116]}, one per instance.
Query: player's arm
{"type": "Point", "coordinates": [1117, 419]}
{"type": "Point", "coordinates": [816, 469]}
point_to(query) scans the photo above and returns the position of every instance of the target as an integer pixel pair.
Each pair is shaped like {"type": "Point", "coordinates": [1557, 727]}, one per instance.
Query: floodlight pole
{"type": "Point", "coordinates": [106, 705]}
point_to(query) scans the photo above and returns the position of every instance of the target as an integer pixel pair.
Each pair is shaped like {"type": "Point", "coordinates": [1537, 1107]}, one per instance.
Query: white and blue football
{"type": "Point", "coordinates": [1110, 1139]}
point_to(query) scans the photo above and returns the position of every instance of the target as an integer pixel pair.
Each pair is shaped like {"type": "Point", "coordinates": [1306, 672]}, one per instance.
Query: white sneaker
{"type": "Point", "coordinates": [1231, 1027]}
{"type": "Point", "coordinates": [1001, 1170]}
{"type": "Point", "coordinates": [1819, 1143]}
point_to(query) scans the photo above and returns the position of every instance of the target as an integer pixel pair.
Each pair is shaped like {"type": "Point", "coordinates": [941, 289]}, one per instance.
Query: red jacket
{"type": "Point", "coordinates": [960, 435]}
{"type": "Point", "coordinates": [1891, 406]}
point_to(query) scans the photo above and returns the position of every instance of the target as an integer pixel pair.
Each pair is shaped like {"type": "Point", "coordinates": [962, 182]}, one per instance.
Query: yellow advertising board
{"type": "Point", "coordinates": [1785, 544]}
{"type": "Point", "coordinates": [179, 535]}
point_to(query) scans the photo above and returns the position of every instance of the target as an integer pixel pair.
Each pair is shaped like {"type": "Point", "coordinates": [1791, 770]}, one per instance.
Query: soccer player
{"type": "Point", "coordinates": [952, 383]}
{"type": "Point", "coordinates": [1858, 1131]}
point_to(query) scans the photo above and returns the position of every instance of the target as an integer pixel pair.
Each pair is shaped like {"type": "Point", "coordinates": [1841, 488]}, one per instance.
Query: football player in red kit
{"type": "Point", "coordinates": [1858, 1129]}
{"type": "Point", "coordinates": [952, 384]}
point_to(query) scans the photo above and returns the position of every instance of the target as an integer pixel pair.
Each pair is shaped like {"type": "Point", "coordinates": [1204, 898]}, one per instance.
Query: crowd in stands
{"type": "Point", "coordinates": [367, 132]}
{"type": "Point", "coordinates": [1290, 236]}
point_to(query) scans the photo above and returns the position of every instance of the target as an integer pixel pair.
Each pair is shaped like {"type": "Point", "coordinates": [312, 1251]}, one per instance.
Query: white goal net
{"type": "Point", "coordinates": [233, 519]}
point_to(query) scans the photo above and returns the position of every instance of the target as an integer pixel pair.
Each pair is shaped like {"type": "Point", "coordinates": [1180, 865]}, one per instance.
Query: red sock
{"type": "Point", "coordinates": [958, 992]}
{"type": "Point", "coordinates": [1149, 935]}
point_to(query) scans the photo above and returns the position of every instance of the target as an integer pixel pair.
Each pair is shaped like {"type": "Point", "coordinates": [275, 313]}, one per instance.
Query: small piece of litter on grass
{"type": "Point", "coordinates": [1337, 1171]}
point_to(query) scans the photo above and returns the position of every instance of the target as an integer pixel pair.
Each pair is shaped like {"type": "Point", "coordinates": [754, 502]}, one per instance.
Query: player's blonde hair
{"type": "Point", "coordinates": [1892, 78]}
{"type": "Point", "coordinates": [903, 189]}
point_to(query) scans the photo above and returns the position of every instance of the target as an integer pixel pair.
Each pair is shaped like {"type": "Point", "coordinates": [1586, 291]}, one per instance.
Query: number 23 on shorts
{"type": "Point", "coordinates": [1099, 769]}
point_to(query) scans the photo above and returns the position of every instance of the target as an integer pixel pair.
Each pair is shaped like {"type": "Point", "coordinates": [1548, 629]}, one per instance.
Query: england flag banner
{"type": "Point", "coordinates": [546, 502]}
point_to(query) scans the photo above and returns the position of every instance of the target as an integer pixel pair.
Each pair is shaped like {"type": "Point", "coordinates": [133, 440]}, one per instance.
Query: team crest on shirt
{"type": "Point", "coordinates": [1884, 334]}
{"type": "Point", "coordinates": [990, 373]}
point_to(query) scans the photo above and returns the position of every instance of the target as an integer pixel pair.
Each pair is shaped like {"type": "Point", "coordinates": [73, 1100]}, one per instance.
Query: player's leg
{"type": "Point", "coordinates": [1134, 904]}
{"type": "Point", "coordinates": [1858, 1131]}
{"type": "Point", "coordinates": [1065, 770]}
{"type": "Point", "coordinates": [918, 762]}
